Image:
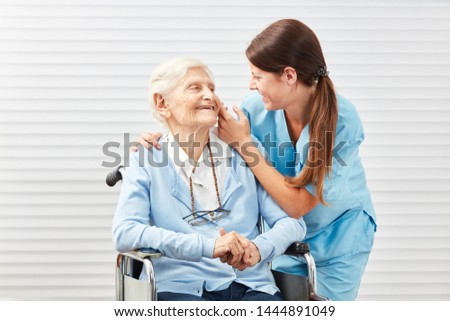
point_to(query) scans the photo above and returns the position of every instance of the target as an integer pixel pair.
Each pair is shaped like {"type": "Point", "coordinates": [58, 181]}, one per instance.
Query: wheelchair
{"type": "Point", "coordinates": [130, 265]}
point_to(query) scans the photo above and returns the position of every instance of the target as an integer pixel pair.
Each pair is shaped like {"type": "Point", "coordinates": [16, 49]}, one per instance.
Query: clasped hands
{"type": "Point", "coordinates": [236, 250]}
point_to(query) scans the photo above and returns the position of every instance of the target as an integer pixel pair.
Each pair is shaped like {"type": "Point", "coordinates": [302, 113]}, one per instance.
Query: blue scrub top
{"type": "Point", "coordinates": [347, 224]}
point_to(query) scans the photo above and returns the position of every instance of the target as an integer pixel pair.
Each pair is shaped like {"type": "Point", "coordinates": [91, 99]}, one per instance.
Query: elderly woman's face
{"type": "Point", "coordinates": [193, 102]}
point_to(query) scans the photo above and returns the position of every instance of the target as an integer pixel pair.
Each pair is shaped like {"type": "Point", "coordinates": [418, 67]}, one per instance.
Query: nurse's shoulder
{"type": "Point", "coordinates": [253, 107]}
{"type": "Point", "coordinates": [252, 102]}
{"type": "Point", "coordinates": [349, 125]}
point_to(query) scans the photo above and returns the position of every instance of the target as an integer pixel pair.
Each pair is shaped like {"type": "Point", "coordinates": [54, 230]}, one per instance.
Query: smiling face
{"type": "Point", "coordinates": [283, 91]}
{"type": "Point", "coordinates": [192, 105]}
{"type": "Point", "coordinates": [270, 86]}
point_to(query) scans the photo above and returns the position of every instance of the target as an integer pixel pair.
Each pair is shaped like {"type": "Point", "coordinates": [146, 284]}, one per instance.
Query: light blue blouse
{"type": "Point", "coordinates": [332, 230]}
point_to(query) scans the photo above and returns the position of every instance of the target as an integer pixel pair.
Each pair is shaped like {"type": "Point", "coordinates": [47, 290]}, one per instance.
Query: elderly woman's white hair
{"type": "Point", "coordinates": [166, 77]}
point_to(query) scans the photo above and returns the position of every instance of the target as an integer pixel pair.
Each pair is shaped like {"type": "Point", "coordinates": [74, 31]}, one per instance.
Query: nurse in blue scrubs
{"type": "Point", "coordinates": [311, 138]}
{"type": "Point", "coordinates": [311, 135]}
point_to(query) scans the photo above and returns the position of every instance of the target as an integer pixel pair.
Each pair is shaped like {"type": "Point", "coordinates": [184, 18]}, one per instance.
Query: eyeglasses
{"type": "Point", "coordinates": [202, 217]}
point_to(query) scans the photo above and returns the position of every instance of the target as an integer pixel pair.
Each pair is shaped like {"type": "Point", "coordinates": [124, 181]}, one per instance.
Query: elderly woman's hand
{"type": "Point", "coordinates": [230, 247]}
{"type": "Point", "coordinates": [148, 140]}
{"type": "Point", "coordinates": [251, 257]}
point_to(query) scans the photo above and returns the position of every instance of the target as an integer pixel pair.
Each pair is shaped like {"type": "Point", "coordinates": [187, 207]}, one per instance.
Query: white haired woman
{"type": "Point", "coordinates": [182, 199]}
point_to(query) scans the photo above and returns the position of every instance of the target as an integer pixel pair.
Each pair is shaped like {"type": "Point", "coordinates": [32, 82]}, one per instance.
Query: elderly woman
{"type": "Point", "coordinates": [199, 208]}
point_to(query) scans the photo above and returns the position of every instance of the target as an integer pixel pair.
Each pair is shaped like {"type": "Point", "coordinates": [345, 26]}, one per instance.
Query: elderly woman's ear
{"type": "Point", "coordinates": [160, 105]}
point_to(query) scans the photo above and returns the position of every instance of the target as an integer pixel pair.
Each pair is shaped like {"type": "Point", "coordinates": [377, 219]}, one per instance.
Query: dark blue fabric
{"type": "Point", "coordinates": [235, 292]}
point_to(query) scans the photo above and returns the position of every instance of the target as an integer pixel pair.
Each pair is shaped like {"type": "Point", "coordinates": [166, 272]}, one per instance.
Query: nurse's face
{"type": "Point", "coordinates": [279, 91]}
{"type": "Point", "coordinates": [271, 87]}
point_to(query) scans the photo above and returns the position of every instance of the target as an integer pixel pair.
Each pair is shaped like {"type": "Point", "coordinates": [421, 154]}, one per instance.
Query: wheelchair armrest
{"type": "Point", "coordinates": [146, 253]}
{"type": "Point", "coordinates": [129, 266]}
{"type": "Point", "coordinates": [301, 249]}
{"type": "Point", "coordinates": [297, 249]}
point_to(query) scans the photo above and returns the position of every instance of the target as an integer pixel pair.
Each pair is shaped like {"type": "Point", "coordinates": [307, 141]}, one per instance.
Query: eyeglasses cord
{"type": "Point", "coordinates": [215, 182]}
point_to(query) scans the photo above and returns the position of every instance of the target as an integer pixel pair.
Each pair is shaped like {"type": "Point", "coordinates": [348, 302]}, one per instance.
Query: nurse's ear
{"type": "Point", "coordinates": [161, 105]}
{"type": "Point", "coordinates": [290, 76]}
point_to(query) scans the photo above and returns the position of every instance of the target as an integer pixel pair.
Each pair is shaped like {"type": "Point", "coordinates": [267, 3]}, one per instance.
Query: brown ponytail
{"type": "Point", "coordinates": [291, 43]}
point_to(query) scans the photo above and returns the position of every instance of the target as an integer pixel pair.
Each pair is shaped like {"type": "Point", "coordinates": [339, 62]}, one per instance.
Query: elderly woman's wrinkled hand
{"type": "Point", "coordinates": [242, 260]}
{"type": "Point", "coordinates": [230, 247]}
{"type": "Point", "coordinates": [251, 257]}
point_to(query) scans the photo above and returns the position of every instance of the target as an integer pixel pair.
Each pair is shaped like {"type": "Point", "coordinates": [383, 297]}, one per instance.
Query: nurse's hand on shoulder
{"type": "Point", "coordinates": [148, 140]}
{"type": "Point", "coordinates": [234, 132]}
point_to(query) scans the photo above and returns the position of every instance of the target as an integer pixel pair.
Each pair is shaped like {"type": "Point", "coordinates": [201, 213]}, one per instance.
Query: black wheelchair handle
{"type": "Point", "coordinates": [297, 248]}
{"type": "Point", "coordinates": [113, 177]}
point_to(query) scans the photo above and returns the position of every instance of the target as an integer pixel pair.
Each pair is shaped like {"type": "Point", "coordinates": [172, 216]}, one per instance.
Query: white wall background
{"type": "Point", "coordinates": [73, 76]}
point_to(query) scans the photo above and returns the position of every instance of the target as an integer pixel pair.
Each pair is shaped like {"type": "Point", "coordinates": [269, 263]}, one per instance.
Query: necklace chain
{"type": "Point", "coordinates": [215, 182]}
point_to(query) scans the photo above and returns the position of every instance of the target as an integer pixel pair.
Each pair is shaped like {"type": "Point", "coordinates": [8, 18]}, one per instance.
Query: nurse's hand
{"type": "Point", "coordinates": [234, 132]}
{"type": "Point", "coordinates": [148, 140]}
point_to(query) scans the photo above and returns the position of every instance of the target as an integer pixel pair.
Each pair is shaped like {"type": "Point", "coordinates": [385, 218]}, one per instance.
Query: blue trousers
{"type": "Point", "coordinates": [235, 292]}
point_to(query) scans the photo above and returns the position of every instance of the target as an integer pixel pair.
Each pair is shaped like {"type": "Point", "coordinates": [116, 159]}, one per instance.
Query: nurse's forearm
{"type": "Point", "coordinates": [296, 202]}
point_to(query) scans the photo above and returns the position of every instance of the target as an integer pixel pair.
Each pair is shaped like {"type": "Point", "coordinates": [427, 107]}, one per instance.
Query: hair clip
{"type": "Point", "coordinates": [322, 72]}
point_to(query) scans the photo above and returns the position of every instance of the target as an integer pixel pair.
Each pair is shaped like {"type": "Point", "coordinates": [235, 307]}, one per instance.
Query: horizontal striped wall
{"type": "Point", "coordinates": [73, 76]}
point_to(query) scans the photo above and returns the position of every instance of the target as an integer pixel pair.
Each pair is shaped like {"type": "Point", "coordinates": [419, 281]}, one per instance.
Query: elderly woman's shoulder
{"type": "Point", "coordinates": [144, 157]}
